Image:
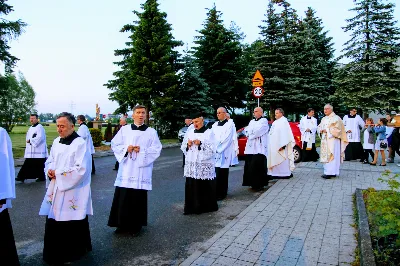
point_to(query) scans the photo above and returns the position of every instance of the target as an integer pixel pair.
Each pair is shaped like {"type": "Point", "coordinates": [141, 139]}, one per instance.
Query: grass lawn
{"type": "Point", "coordinates": [19, 132]}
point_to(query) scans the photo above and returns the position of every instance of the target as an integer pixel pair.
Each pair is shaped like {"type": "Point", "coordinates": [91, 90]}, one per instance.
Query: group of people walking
{"type": "Point", "coordinates": [208, 153]}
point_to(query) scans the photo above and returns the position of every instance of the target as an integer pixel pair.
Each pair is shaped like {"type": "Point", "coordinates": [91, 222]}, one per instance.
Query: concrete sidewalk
{"type": "Point", "coordinates": [304, 221]}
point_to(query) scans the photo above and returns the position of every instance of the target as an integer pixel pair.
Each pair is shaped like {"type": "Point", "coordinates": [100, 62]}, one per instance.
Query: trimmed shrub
{"type": "Point", "coordinates": [90, 124]}
{"type": "Point", "coordinates": [96, 136]}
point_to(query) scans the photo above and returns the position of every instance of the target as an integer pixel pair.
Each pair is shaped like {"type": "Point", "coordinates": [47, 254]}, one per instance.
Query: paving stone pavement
{"type": "Point", "coordinates": [303, 221]}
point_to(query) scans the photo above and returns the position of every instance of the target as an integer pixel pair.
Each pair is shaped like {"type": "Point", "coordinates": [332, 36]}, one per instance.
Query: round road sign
{"type": "Point", "coordinates": [258, 92]}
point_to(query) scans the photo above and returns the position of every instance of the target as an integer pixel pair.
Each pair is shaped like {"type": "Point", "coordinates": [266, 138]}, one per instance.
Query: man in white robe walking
{"type": "Point", "coordinates": [35, 152]}
{"type": "Point", "coordinates": [223, 142]}
{"type": "Point", "coordinates": [353, 124]}
{"type": "Point", "coordinates": [8, 250]}
{"type": "Point", "coordinates": [235, 143]}
{"type": "Point", "coordinates": [308, 128]}
{"type": "Point", "coordinates": [83, 132]}
{"type": "Point", "coordinates": [280, 147]}
{"type": "Point", "coordinates": [67, 202]}
{"type": "Point", "coordinates": [255, 166]}
{"type": "Point", "coordinates": [333, 142]}
{"type": "Point", "coordinates": [136, 147]}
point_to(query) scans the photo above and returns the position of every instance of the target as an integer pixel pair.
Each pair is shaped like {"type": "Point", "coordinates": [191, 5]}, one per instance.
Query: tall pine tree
{"type": "Point", "coordinates": [218, 53]}
{"type": "Point", "coordinates": [194, 91]}
{"type": "Point", "coordinates": [276, 60]}
{"type": "Point", "coordinates": [370, 80]}
{"type": "Point", "coordinates": [149, 65]}
{"type": "Point", "coordinates": [8, 31]}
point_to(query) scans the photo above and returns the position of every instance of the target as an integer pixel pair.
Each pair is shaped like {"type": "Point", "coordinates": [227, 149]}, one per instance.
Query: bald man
{"type": "Point", "coordinates": [255, 167]}
{"type": "Point", "coordinates": [223, 132]}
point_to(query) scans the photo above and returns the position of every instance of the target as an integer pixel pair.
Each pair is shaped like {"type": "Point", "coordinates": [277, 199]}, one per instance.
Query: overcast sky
{"type": "Point", "coordinates": [67, 50]}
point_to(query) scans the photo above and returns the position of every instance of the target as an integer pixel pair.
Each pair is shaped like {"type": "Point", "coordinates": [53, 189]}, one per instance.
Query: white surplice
{"type": "Point", "coordinates": [280, 163]}
{"type": "Point", "coordinates": [200, 161]}
{"type": "Point", "coordinates": [37, 147]}
{"type": "Point", "coordinates": [355, 125]}
{"type": "Point", "coordinates": [84, 132]}
{"type": "Point", "coordinates": [310, 124]}
{"type": "Point", "coordinates": [235, 145]}
{"type": "Point", "coordinates": [136, 169]}
{"type": "Point", "coordinates": [257, 137]}
{"type": "Point", "coordinates": [7, 172]}
{"type": "Point", "coordinates": [68, 197]}
{"type": "Point", "coordinates": [223, 143]}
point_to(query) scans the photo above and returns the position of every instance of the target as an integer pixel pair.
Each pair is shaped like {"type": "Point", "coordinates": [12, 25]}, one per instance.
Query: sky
{"type": "Point", "coordinates": [67, 50]}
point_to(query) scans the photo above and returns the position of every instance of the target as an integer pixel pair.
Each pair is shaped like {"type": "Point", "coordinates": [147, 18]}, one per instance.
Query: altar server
{"type": "Point", "coordinates": [136, 147]}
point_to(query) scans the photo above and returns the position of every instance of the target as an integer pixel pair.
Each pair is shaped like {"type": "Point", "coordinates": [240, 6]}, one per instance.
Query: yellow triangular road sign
{"type": "Point", "coordinates": [258, 76]}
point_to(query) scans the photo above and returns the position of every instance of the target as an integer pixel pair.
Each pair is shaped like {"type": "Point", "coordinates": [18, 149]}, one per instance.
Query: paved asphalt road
{"type": "Point", "coordinates": [169, 238]}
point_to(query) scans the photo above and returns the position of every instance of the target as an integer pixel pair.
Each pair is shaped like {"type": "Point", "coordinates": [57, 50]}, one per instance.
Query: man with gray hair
{"type": "Point", "coordinates": [333, 142]}
{"type": "Point", "coordinates": [223, 134]}
{"type": "Point", "coordinates": [255, 166]}
{"type": "Point", "coordinates": [67, 202]}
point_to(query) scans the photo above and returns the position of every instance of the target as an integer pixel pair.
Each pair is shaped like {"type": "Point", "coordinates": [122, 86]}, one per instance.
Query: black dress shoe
{"type": "Point", "coordinates": [328, 176]}
{"type": "Point", "coordinates": [20, 180]}
{"type": "Point", "coordinates": [40, 180]}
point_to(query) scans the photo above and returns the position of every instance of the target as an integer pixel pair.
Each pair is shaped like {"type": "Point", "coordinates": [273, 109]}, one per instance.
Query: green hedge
{"type": "Point", "coordinates": [96, 136]}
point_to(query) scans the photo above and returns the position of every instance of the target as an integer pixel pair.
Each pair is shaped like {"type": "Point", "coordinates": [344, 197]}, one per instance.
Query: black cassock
{"type": "Point", "coordinates": [200, 196]}
{"type": "Point", "coordinates": [309, 155]}
{"type": "Point", "coordinates": [32, 168]}
{"type": "Point", "coordinates": [129, 209]}
{"type": "Point", "coordinates": [61, 240]}
{"type": "Point", "coordinates": [255, 171]}
{"type": "Point", "coordinates": [8, 251]}
{"type": "Point", "coordinates": [354, 151]}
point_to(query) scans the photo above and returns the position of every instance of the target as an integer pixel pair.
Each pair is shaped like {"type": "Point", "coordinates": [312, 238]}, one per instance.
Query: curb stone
{"type": "Point", "coordinates": [20, 161]}
{"type": "Point", "coordinates": [364, 238]}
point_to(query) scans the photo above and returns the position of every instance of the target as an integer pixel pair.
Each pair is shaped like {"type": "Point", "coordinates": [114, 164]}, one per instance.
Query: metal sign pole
{"type": "Point", "coordinates": [258, 100]}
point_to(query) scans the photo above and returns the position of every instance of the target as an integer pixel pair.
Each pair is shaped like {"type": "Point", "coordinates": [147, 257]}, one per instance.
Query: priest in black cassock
{"type": "Point", "coordinates": [353, 124]}
{"type": "Point", "coordinates": [35, 152]}
{"type": "Point", "coordinates": [200, 186]}
{"type": "Point", "coordinates": [136, 147]}
{"type": "Point", "coordinates": [8, 251]}
{"type": "Point", "coordinates": [255, 166]}
{"type": "Point", "coordinates": [67, 202]}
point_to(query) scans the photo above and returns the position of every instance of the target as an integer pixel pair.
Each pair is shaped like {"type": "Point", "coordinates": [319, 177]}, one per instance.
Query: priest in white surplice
{"type": "Point", "coordinates": [235, 143]}
{"type": "Point", "coordinates": [333, 142]}
{"type": "Point", "coordinates": [189, 127]}
{"type": "Point", "coordinates": [223, 133]}
{"type": "Point", "coordinates": [308, 128]}
{"type": "Point", "coordinates": [67, 202]}
{"type": "Point", "coordinates": [83, 132]}
{"type": "Point", "coordinates": [8, 250]}
{"type": "Point", "coordinates": [255, 166]}
{"type": "Point", "coordinates": [280, 159]}
{"type": "Point", "coordinates": [353, 124]}
{"type": "Point", "coordinates": [35, 152]}
{"type": "Point", "coordinates": [199, 148]}
{"type": "Point", "coordinates": [136, 147]}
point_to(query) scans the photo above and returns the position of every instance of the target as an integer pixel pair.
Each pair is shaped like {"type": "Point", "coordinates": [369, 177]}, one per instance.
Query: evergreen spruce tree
{"type": "Point", "coordinates": [314, 64]}
{"type": "Point", "coordinates": [149, 65]}
{"type": "Point", "coordinates": [8, 31]}
{"type": "Point", "coordinates": [218, 54]}
{"type": "Point", "coordinates": [276, 60]}
{"type": "Point", "coordinates": [370, 80]}
{"type": "Point", "coordinates": [193, 93]}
